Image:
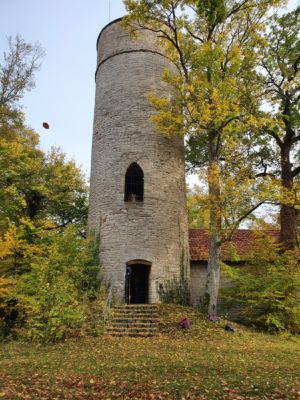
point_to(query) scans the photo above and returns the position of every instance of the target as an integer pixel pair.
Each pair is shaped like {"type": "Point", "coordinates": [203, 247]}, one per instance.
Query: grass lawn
{"type": "Point", "coordinates": [204, 363]}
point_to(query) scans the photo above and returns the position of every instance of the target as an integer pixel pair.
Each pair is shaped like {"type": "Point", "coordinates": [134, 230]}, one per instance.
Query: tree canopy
{"type": "Point", "coordinates": [48, 270]}
{"type": "Point", "coordinates": [217, 103]}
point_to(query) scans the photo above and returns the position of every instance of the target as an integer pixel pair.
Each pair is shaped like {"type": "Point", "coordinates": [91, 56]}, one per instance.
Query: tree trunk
{"type": "Point", "coordinates": [213, 267]}
{"type": "Point", "coordinates": [213, 273]}
{"type": "Point", "coordinates": [288, 236]}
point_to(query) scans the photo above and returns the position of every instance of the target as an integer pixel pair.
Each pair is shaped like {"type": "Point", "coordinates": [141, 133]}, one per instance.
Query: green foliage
{"type": "Point", "coordinates": [268, 289]}
{"type": "Point", "coordinates": [46, 269]}
{"type": "Point", "coordinates": [176, 290]}
{"type": "Point", "coordinates": [63, 191]}
{"type": "Point", "coordinates": [214, 11]}
{"type": "Point", "coordinates": [282, 72]}
{"type": "Point", "coordinates": [198, 212]}
{"type": "Point", "coordinates": [49, 273]}
{"type": "Point", "coordinates": [215, 102]}
{"type": "Point", "coordinates": [280, 64]}
{"type": "Point", "coordinates": [49, 300]}
{"type": "Point", "coordinates": [91, 282]}
{"type": "Point", "coordinates": [203, 304]}
{"type": "Point", "coordinates": [41, 187]}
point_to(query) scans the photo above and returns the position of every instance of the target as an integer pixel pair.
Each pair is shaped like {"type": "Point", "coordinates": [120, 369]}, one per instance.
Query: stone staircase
{"type": "Point", "coordinates": [134, 320]}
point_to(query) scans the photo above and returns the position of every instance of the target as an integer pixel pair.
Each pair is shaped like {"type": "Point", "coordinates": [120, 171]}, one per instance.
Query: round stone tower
{"type": "Point", "coordinates": [137, 197]}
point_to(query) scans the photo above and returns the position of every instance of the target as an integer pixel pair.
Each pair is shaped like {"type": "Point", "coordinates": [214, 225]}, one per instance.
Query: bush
{"type": "Point", "coordinates": [49, 301]}
{"type": "Point", "coordinates": [7, 286]}
{"type": "Point", "coordinates": [268, 289]}
{"type": "Point", "coordinates": [176, 290]}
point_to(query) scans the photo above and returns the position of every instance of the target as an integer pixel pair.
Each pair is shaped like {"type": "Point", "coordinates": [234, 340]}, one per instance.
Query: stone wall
{"type": "Point", "coordinates": [154, 230]}
{"type": "Point", "coordinates": [198, 280]}
{"type": "Point", "coordinates": [198, 285]}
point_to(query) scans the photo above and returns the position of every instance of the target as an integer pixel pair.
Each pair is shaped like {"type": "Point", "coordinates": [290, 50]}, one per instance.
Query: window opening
{"type": "Point", "coordinates": [134, 183]}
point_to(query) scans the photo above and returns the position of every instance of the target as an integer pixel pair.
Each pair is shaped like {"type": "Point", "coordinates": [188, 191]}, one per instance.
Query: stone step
{"type": "Point", "coordinates": [132, 331]}
{"type": "Point", "coordinates": [134, 320]}
{"type": "Point", "coordinates": [140, 309]}
{"type": "Point", "coordinates": [132, 328]}
{"type": "Point", "coordinates": [134, 311]}
{"type": "Point", "coordinates": [128, 324]}
{"type": "Point", "coordinates": [128, 334]}
{"type": "Point", "coordinates": [133, 323]}
{"type": "Point", "coordinates": [137, 310]}
{"type": "Point", "coordinates": [139, 306]}
{"type": "Point", "coordinates": [134, 315]}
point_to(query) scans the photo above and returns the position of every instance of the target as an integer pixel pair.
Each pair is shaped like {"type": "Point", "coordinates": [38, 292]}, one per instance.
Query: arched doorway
{"type": "Point", "coordinates": [137, 282]}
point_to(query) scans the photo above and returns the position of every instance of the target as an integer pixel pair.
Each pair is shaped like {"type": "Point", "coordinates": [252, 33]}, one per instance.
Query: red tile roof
{"type": "Point", "coordinates": [242, 244]}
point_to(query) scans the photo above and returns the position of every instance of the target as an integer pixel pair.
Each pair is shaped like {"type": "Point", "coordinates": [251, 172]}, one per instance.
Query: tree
{"type": "Point", "coordinates": [267, 287]}
{"type": "Point", "coordinates": [43, 188]}
{"type": "Point", "coordinates": [19, 154]}
{"type": "Point", "coordinates": [281, 65]}
{"type": "Point", "coordinates": [17, 71]}
{"type": "Point", "coordinates": [213, 45]}
{"type": "Point", "coordinates": [47, 300]}
{"type": "Point", "coordinates": [33, 185]}
{"type": "Point", "coordinates": [48, 269]}
{"type": "Point", "coordinates": [43, 210]}
{"type": "Point", "coordinates": [198, 212]}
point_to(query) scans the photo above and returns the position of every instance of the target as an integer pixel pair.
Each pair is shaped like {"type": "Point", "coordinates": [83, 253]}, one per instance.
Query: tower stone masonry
{"type": "Point", "coordinates": [137, 188]}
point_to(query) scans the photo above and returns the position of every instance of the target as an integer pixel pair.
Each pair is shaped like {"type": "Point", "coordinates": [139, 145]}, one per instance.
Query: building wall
{"type": "Point", "coordinates": [198, 280]}
{"type": "Point", "coordinates": [154, 230]}
{"type": "Point", "coordinates": [198, 286]}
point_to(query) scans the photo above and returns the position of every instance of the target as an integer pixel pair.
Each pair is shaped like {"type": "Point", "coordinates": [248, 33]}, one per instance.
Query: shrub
{"type": "Point", "coordinates": [176, 290]}
{"type": "Point", "coordinates": [268, 289]}
{"type": "Point", "coordinates": [50, 300]}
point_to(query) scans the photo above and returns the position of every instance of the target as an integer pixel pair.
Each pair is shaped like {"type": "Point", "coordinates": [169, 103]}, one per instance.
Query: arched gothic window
{"type": "Point", "coordinates": [134, 183]}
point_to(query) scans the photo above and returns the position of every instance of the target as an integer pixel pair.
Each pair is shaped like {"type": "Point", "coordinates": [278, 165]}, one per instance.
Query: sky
{"type": "Point", "coordinates": [65, 84]}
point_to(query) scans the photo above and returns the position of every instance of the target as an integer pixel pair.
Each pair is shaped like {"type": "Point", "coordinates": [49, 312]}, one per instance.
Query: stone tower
{"type": "Point", "coordinates": [137, 197]}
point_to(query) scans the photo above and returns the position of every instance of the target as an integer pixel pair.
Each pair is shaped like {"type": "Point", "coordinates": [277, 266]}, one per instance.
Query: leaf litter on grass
{"type": "Point", "coordinates": [203, 363]}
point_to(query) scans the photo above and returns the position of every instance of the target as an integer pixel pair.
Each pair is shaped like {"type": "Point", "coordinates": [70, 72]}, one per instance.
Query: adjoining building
{"type": "Point", "coordinates": [236, 253]}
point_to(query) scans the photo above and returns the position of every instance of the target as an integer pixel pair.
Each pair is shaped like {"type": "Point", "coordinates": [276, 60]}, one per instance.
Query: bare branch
{"type": "Point", "coordinates": [237, 223]}
{"type": "Point", "coordinates": [18, 69]}
{"type": "Point", "coordinates": [296, 171]}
